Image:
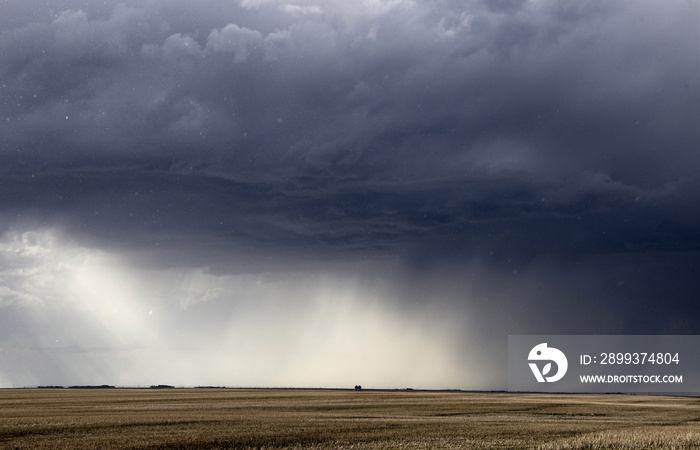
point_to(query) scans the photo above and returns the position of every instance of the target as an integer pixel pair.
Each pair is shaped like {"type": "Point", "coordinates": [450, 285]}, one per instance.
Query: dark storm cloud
{"type": "Point", "coordinates": [494, 148]}
{"type": "Point", "coordinates": [508, 110]}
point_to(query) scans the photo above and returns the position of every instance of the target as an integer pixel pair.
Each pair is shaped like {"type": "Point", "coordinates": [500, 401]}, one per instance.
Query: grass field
{"type": "Point", "coordinates": [268, 418]}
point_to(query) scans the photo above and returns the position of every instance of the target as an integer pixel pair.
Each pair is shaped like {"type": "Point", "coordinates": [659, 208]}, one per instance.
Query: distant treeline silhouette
{"type": "Point", "coordinates": [107, 386]}
{"type": "Point", "coordinates": [102, 386]}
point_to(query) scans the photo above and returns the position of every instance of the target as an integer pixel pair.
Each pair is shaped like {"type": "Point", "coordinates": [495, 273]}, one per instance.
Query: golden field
{"type": "Point", "coordinates": [316, 419]}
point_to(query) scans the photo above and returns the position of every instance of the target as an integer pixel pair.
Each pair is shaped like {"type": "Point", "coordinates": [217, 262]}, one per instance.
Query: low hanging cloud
{"type": "Point", "coordinates": [89, 310]}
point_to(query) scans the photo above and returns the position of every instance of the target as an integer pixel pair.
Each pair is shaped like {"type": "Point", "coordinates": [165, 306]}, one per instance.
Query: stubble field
{"type": "Point", "coordinates": [315, 419]}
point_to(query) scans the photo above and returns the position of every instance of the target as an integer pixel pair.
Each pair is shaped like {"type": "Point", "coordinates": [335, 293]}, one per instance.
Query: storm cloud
{"type": "Point", "coordinates": [261, 186]}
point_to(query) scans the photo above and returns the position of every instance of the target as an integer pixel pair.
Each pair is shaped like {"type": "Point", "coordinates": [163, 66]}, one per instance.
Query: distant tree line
{"type": "Point", "coordinates": [101, 386]}
{"type": "Point", "coordinates": [108, 386]}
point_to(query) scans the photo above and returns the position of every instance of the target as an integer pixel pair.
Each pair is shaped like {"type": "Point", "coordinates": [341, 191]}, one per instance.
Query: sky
{"type": "Point", "coordinates": [328, 193]}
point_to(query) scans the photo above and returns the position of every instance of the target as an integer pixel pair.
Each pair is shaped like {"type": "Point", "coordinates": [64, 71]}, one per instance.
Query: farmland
{"type": "Point", "coordinates": [316, 419]}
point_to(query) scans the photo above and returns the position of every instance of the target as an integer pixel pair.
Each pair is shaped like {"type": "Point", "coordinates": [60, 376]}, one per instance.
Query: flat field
{"type": "Point", "coordinates": [315, 419]}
